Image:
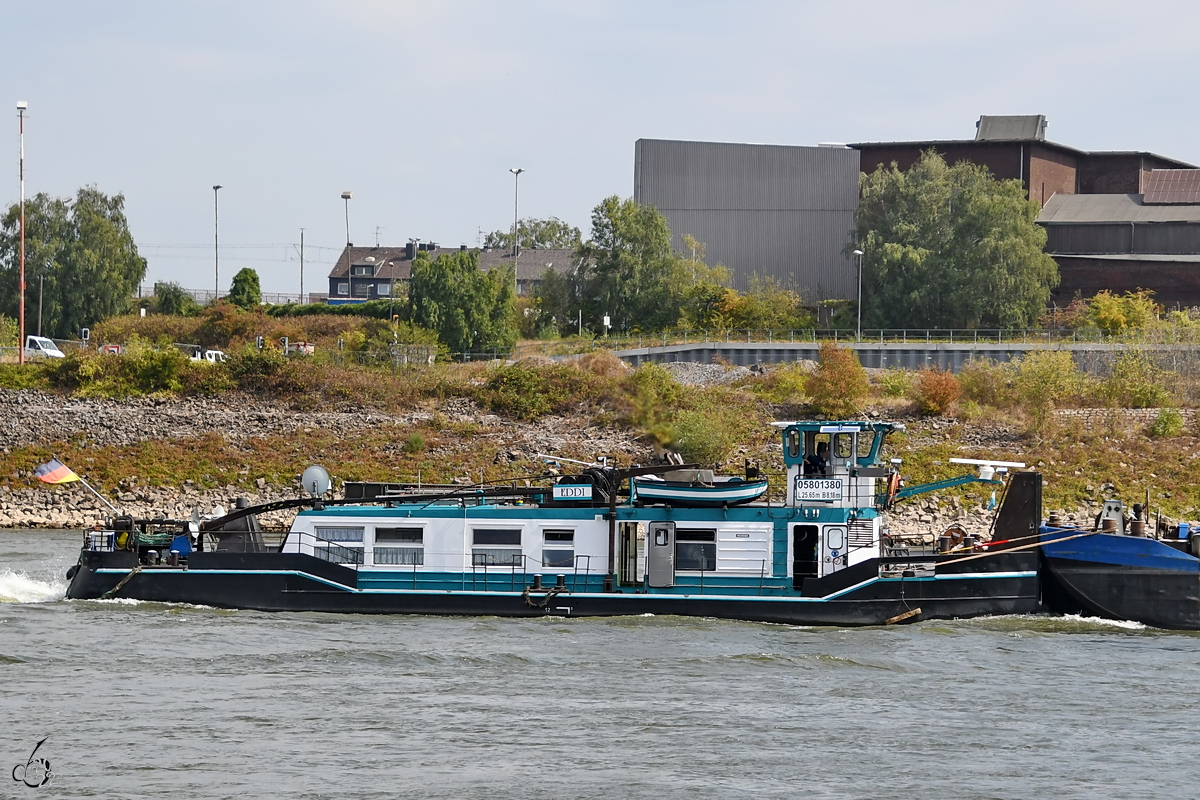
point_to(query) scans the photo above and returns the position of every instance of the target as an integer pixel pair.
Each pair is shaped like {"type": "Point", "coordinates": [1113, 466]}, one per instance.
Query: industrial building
{"type": "Point", "coordinates": [1124, 242]}
{"type": "Point", "coordinates": [775, 211]}
{"type": "Point", "coordinates": [1015, 147]}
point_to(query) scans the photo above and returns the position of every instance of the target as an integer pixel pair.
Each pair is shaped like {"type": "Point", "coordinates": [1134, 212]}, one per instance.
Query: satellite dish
{"type": "Point", "coordinates": [315, 481]}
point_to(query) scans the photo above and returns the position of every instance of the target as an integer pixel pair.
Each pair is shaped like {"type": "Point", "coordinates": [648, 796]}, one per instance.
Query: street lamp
{"type": "Point", "coordinates": [346, 196]}
{"type": "Point", "coordinates": [21, 106]}
{"type": "Point", "coordinates": [216, 247]}
{"type": "Point", "coordinates": [516, 171]}
{"type": "Point", "coordinates": [41, 289]}
{"type": "Point", "coordinates": [859, 253]}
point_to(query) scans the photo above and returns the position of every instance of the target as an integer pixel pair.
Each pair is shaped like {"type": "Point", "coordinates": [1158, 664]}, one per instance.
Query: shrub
{"type": "Point", "coordinates": [527, 392]}
{"type": "Point", "coordinates": [786, 384]}
{"type": "Point", "coordinates": [1135, 382]}
{"type": "Point", "coordinates": [936, 391]}
{"type": "Point", "coordinates": [896, 383]}
{"type": "Point", "coordinates": [839, 384]}
{"type": "Point", "coordinates": [414, 443]}
{"type": "Point", "coordinates": [141, 369]}
{"type": "Point", "coordinates": [252, 368]}
{"type": "Point", "coordinates": [1042, 380]}
{"type": "Point", "coordinates": [1168, 423]}
{"type": "Point", "coordinates": [987, 383]}
{"type": "Point", "coordinates": [704, 438]}
{"type": "Point", "coordinates": [649, 396]}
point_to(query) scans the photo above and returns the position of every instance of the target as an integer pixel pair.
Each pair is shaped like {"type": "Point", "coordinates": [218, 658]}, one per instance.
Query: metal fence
{"type": "Point", "coordinates": [205, 296]}
{"type": "Point", "coordinates": [901, 336]}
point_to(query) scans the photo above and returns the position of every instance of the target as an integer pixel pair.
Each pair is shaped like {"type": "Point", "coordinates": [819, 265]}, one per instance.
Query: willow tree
{"type": "Point", "coordinates": [470, 309]}
{"type": "Point", "coordinates": [950, 247]}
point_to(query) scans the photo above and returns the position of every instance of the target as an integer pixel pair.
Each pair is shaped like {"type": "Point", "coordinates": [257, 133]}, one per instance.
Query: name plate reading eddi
{"type": "Point", "coordinates": [573, 491]}
{"type": "Point", "coordinates": [819, 489]}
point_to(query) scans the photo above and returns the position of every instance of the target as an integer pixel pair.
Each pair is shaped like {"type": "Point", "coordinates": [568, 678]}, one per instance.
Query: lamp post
{"type": "Point", "coordinates": [21, 106]}
{"type": "Point", "coordinates": [516, 171]}
{"type": "Point", "coordinates": [859, 253]}
{"type": "Point", "coordinates": [216, 246]}
{"type": "Point", "coordinates": [41, 290]}
{"type": "Point", "coordinates": [346, 196]}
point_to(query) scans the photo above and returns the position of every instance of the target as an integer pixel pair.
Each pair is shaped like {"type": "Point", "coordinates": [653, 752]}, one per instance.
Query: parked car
{"type": "Point", "coordinates": [41, 347]}
{"type": "Point", "coordinates": [211, 356]}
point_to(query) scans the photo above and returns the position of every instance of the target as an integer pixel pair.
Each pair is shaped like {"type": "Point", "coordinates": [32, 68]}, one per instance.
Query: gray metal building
{"type": "Point", "coordinates": [772, 210]}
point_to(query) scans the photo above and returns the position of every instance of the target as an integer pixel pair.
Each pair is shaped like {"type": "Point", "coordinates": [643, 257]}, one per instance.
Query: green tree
{"type": "Point", "coordinates": [536, 233]}
{"type": "Point", "coordinates": [626, 267]}
{"type": "Point", "coordinates": [700, 288]}
{"type": "Point", "coordinates": [950, 246]}
{"type": "Point", "coordinates": [84, 245]}
{"type": "Point", "coordinates": [171, 298]}
{"type": "Point", "coordinates": [469, 309]}
{"type": "Point", "coordinates": [244, 292]}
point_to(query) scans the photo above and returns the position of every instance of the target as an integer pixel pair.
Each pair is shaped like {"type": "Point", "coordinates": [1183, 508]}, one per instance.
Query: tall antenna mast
{"type": "Point", "coordinates": [302, 265]}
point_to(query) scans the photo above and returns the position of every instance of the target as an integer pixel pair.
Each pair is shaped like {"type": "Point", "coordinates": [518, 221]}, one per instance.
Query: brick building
{"type": "Point", "coordinates": [1016, 147]}
{"type": "Point", "coordinates": [1128, 241]}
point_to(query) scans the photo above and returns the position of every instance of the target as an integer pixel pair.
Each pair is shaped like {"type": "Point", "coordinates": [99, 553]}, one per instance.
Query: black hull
{"type": "Point", "coordinates": [1161, 598]}
{"type": "Point", "coordinates": [293, 582]}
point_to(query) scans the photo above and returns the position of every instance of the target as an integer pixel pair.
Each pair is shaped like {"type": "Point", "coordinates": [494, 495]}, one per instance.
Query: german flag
{"type": "Point", "coordinates": [54, 471]}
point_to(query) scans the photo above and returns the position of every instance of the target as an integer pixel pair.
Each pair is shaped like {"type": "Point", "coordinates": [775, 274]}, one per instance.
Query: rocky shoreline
{"type": "Point", "coordinates": [33, 417]}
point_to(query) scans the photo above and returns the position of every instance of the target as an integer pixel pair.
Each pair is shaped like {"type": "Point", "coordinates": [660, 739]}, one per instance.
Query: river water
{"type": "Point", "coordinates": [143, 700]}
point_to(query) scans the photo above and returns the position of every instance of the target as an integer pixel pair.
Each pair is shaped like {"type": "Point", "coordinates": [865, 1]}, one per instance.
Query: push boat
{"type": "Point", "coordinates": [594, 543]}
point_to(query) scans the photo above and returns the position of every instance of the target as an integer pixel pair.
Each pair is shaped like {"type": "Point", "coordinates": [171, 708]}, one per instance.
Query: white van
{"type": "Point", "coordinates": [211, 356]}
{"type": "Point", "coordinates": [39, 346]}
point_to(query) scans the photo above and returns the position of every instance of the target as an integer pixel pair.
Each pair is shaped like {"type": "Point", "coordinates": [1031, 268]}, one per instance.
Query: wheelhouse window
{"type": "Point", "coordinates": [399, 546]}
{"type": "Point", "coordinates": [495, 547]}
{"type": "Point", "coordinates": [695, 549]}
{"type": "Point", "coordinates": [558, 548]}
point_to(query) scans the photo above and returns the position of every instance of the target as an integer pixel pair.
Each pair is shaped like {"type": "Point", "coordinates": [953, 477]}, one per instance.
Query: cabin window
{"type": "Point", "coordinates": [835, 538]}
{"type": "Point", "coordinates": [332, 549]}
{"type": "Point", "coordinates": [695, 549]}
{"type": "Point", "coordinates": [843, 445]}
{"type": "Point", "coordinates": [340, 534]}
{"type": "Point", "coordinates": [496, 547]}
{"type": "Point", "coordinates": [399, 546]}
{"type": "Point", "coordinates": [793, 443]}
{"type": "Point", "coordinates": [558, 549]}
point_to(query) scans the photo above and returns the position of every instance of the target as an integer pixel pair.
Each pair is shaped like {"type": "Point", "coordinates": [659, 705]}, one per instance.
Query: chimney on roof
{"type": "Point", "coordinates": [462, 248]}
{"type": "Point", "coordinates": [410, 250]}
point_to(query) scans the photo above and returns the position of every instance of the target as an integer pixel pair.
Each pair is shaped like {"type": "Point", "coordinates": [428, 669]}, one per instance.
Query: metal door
{"type": "Point", "coordinates": [833, 548]}
{"type": "Point", "coordinates": [660, 566]}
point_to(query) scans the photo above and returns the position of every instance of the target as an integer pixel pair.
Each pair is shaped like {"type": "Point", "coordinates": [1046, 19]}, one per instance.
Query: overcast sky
{"type": "Point", "coordinates": [421, 108]}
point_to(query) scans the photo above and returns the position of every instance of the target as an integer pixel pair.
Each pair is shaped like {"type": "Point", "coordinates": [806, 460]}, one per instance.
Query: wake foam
{"type": "Point", "coordinates": [17, 587]}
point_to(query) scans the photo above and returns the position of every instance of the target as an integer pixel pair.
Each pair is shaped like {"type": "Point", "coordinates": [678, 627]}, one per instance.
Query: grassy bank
{"type": "Point", "coordinates": [1012, 413]}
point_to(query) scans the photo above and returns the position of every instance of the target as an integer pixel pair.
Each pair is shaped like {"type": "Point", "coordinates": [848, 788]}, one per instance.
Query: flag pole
{"type": "Point", "coordinates": [103, 499]}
